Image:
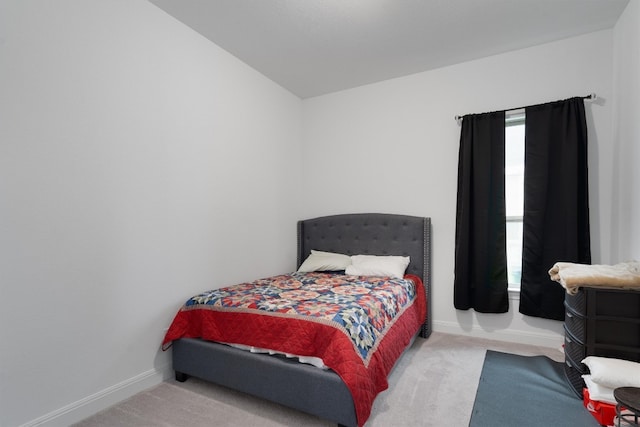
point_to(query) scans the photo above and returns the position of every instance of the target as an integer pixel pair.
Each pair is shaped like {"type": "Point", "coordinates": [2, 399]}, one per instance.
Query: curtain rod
{"type": "Point", "coordinates": [591, 96]}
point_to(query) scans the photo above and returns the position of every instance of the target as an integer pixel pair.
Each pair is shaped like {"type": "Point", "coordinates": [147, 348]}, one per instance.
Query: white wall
{"type": "Point", "coordinates": [139, 164]}
{"type": "Point", "coordinates": [626, 135]}
{"type": "Point", "coordinates": [393, 147]}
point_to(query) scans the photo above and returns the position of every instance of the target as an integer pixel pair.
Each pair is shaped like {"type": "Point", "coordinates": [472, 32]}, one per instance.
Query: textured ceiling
{"type": "Point", "coordinates": [313, 47]}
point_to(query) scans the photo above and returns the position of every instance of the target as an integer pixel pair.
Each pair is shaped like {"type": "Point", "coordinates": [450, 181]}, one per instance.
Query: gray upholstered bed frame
{"type": "Point", "coordinates": [304, 387]}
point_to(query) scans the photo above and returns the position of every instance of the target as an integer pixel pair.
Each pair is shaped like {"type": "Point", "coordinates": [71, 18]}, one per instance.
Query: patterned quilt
{"type": "Point", "coordinates": [345, 320]}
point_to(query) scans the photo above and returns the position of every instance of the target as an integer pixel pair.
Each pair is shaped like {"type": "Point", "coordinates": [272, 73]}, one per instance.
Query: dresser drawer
{"type": "Point", "coordinates": [614, 303]}
{"type": "Point", "coordinates": [615, 332]}
{"type": "Point", "coordinates": [616, 353]}
{"type": "Point", "coordinates": [575, 324]}
{"type": "Point", "coordinates": [574, 376]}
{"type": "Point", "coordinates": [577, 303]}
{"type": "Point", "coordinates": [574, 350]}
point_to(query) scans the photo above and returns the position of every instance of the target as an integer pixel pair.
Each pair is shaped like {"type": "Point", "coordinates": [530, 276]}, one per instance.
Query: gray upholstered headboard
{"type": "Point", "coordinates": [373, 234]}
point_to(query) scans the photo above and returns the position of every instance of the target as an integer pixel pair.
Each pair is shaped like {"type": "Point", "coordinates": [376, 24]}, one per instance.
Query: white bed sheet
{"type": "Point", "coordinates": [310, 360]}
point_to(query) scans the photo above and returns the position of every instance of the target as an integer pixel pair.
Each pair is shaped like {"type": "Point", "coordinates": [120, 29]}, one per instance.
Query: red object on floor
{"type": "Point", "coordinates": [603, 412]}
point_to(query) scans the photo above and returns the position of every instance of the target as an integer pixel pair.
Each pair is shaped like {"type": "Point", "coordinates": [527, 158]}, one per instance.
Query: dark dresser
{"type": "Point", "coordinates": [600, 322]}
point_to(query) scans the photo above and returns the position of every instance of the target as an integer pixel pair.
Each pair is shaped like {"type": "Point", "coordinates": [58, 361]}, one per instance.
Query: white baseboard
{"type": "Point", "coordinates": [551, 339]}
{"type": "Point", "coordinates": [83, 408]}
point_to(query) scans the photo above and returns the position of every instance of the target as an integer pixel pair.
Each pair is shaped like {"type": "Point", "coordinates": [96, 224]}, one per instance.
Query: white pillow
{"type": "Point", "coordinates": [374, 265]}
{"type": "Point", "coordinates": [325, 261]}
{"type": "Point", "coordinates": [599, 392]}
{"type": "Point", "coordinates": [613, 373]}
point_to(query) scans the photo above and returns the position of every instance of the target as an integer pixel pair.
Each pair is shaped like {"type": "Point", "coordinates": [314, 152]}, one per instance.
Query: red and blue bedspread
{"type": "Point", "coordinates": [358, 325]}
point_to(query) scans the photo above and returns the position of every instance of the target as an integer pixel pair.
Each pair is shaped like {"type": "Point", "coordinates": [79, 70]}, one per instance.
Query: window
{"type": "Point", "coordinates": [514, 194]}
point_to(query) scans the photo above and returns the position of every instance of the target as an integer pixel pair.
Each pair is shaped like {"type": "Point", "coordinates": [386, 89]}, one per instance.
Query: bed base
{"type": "Point", "coordinates": [278, 379]}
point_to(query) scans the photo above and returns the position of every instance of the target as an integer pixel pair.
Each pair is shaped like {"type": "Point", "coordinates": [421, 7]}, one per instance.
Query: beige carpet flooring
{"type": "Point", "coordinates": [433, 384]}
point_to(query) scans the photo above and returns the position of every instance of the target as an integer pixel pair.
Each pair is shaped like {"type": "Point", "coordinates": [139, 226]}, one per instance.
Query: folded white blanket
{"type": "Point", "coordinates": [599, 392]}
{"type": "Point", "coordinates": [613, 373]}
{"type": "Point", "coordinates": [572, 276]}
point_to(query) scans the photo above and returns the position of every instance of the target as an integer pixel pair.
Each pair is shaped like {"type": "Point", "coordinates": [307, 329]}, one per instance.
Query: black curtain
{"type": "Point", "coordinates": [480, 251]}
{"type": "Point", "coordinates": [556, 202]}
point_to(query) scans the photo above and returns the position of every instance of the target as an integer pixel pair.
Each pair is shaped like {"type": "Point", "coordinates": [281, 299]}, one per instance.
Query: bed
{"type": "Point", "coordinates": [321, 392]}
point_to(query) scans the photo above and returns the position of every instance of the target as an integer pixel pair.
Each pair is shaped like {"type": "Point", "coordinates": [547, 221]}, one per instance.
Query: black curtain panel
{"type": "Point", "coordinates": [556, 202]}
{"type": "Point", "coordinates": [480, 250]}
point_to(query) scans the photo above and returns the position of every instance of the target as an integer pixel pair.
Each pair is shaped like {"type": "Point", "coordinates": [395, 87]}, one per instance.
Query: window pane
{"type": "Point", "coordinates": [514, 252]}
{"type": "Point", "coordinates": [514, 169]}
